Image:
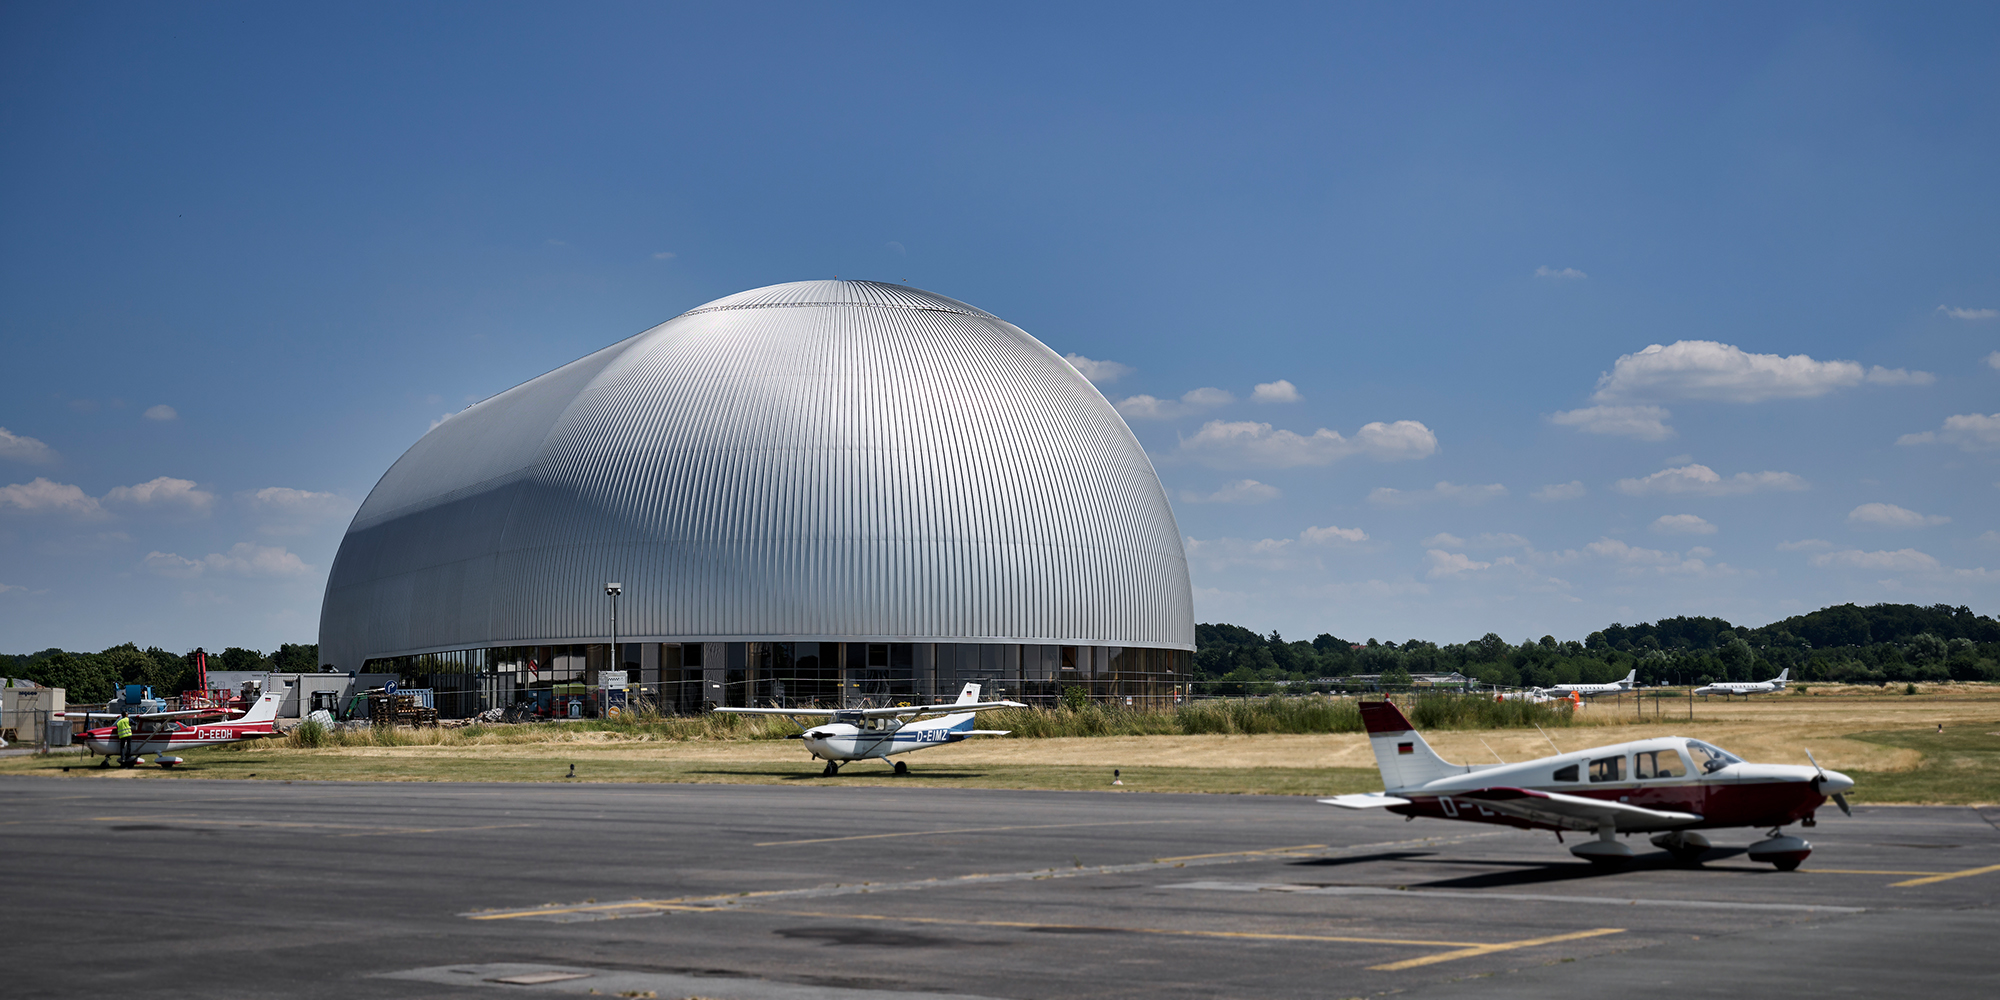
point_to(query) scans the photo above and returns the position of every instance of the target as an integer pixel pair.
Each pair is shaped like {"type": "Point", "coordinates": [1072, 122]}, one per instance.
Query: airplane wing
{"type": "Point", "coordinates": [136, 716]}
{"type": "Point", "coordinates": [823, 712]}
{"type": "Point", "coordinates": [1573, 812]}
{"type": "Point", "coordinates": [977, 706]}
{"type": "Point", "coordinates": [1369, 800]}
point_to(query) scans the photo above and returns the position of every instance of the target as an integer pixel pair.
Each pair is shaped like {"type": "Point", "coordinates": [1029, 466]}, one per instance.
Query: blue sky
{"type": "Point", "coordinates": [1435, 319]}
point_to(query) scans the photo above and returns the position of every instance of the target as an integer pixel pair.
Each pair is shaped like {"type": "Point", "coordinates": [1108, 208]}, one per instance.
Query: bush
{"type": "Point", "coordinates": [309, 735]}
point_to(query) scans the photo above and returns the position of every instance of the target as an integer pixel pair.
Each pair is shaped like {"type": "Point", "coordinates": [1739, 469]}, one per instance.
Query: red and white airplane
{"type": "Point", "coordinates": [1669, 786]}
{"type": "Point", "coordinates": [158, 732]}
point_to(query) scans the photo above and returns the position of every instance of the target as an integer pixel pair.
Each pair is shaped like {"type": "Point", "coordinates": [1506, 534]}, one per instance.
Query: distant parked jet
{"type": "Point", "coordinates": [1615, 687]}
{"type": "Point", "coordinates": [1748, 687]}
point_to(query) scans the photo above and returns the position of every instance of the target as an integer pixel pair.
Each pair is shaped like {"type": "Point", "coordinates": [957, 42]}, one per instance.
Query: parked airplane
{"type": "Point", "coordinates": [861, 733]}
{"type": "Point", "coordinates": [1669, 786]}
{"type": "Point", "coordinates": [1747, 687]}
{"type": "Point", "coordinates": [1615, 687]}
{"type": "Point", "coordinates": [158, 732]}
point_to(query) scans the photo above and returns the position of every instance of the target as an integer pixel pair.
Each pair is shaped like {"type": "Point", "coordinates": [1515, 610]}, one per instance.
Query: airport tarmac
{"type": "Point", "coordinates": [818, 892]}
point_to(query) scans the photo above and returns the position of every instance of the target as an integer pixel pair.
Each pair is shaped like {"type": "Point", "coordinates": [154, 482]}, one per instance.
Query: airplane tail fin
{"type": "Point", "coordinates": [1403, 756]}
{"type": "Point", "coordinates": [265, 710]}
{"type": "Point", "coordinates": [1630, 679]}
{"type": "Point", "coordinates": [968, 695]}
{"type": "Point", "coordinates": [1783, 675]}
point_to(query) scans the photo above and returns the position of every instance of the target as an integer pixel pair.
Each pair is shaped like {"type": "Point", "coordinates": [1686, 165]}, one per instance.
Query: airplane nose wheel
{"type": "Point", "coordinates": [902, 768]}
{"type": "Point", "coordinates": [832, 768]}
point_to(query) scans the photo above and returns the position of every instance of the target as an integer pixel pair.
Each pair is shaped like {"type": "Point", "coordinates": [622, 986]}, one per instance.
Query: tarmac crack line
{"type": "Point", "coordinates": [643, 907]}
{"type": "Point", "coordinates": [968, 829]}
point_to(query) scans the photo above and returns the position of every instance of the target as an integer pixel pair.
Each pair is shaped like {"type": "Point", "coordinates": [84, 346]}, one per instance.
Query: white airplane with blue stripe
{"type": "Point", "coordinates": [861, 733]}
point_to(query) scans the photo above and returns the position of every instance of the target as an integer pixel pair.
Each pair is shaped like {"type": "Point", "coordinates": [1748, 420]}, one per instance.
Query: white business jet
{"type": "Point", "coordinates": [1748, 687]}
{"type": "Point", "coordinates": [1615, 687]}
{"type": "Point", "coordinates": [861, 733]}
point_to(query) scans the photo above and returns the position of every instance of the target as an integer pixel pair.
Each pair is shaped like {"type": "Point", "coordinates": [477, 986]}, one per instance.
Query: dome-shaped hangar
{"type": "Point", "coordinates": [820, 492]}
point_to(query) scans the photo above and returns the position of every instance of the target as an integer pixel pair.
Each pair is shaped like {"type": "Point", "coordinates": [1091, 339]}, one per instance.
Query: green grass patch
{"type": "Point", "coordinates": [1960, 766]}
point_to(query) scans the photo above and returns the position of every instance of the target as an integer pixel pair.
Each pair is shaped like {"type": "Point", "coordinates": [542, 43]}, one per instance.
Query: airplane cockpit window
{"type": "Point", "coordinates": [1711, 758]}
{"type": "Point", "coordinates": [1658, 764]}
{"type": "Point", "coordinates": [1608, 769]}
{"type": "Point", "coordinates": [1566, 773]}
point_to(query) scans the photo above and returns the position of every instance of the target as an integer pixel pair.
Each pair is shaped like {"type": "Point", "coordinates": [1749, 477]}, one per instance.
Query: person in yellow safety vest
{"type": "Point", "coordinates": [123, 730]}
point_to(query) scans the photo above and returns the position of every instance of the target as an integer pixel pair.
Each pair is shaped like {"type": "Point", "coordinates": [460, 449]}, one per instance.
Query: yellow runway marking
{"type": "Point", "coordinates": [1945, 876]}
{"type": "Point", "coordinates": [1856, 871]}
{"type": "Point", "coordinates": [1242, 854]}
{"type": "Point", "coordinates": [965, 829]}
{"type": "Point", "coordinates": [1487, 949]}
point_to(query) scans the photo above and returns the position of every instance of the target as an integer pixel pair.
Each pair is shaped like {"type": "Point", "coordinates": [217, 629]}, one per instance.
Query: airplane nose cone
{"type": "Point", "coordinates": [1835, 783]}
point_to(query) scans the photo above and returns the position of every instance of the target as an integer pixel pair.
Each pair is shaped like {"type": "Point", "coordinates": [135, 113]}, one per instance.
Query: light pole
{"type": "Point", "coordinates": [611, 591]}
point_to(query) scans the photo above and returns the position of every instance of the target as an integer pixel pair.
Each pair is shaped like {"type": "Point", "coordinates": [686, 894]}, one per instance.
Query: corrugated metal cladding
{"type": "Point", "coordinates": [813, 460]}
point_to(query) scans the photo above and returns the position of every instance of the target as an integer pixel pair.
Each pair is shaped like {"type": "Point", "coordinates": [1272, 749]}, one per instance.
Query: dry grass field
{"type": "Point", "coordinates": [1885, 739]}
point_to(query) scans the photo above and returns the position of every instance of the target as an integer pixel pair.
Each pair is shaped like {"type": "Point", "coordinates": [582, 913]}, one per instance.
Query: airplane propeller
{"type": "Point", "coordinates": [1838, 799]}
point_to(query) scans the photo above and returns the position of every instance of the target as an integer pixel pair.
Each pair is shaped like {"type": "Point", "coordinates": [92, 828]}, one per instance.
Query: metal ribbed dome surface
{"type": "Point", "coordinates": [812, 460]}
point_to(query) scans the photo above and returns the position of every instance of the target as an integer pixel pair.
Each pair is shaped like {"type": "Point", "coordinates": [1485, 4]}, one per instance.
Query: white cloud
{"type": "Point", "coordinates": [1228, 443]}
{"type": "Point", "coordinates": [1468, 494]}
{"type": "Point", "coordinates": [1804, 544]}
{"type": "Point", "coordinates": [163, 492]}
{"type": "Point", "coordinates": [1969, 431]}
{"type": "Point", "coordinates": [1647, 423]}
{"type": "Point", "coordinates": [243, 559]}
{"type": "Point", "coordinates": [1706, 369]}
{"type": "Point", "coordinates": [1191, 402]}
{"type": "Point", "coordinates": [1560, 491]}
{"type": "Point", "coordinates": [287, 511]}
{"type": "Point", "coordinates": [1443, 540]}
{"type": "Point", "coordinates": [1901, 560]}
{"type": "Point", "coordinates": [1993, 360]}
{"type": "Point", "coordinates": [43, 495]}
{"type": "Point", "coordinates": [1989, 537]}
{"type": "Point", "coordinates": [161, 412]}
{"type": "Point", "coordinates": [1501, 540]}
{"type": "Point", "coordinates": [1700, 480]}
{"type": "Point", "coordinates": [24, 449]}
{"type": "Point", "coordinates": [1452, 563]}
{"type": "Point", "coordinates": [1331, 535]}
{"type": "Point", "coordinates": [1245, 491]}
{"type": "Point", "coordinates": [1888, 515]}
{"type": "Point", "coordinates": [1899, 376]}
{"type": "Point", "coordinates": [1264, 554]}
{"type": "Point", "coordinates": [1566, 274]}
{"type": "Point", "coordinates": [1634, 560]}
{"type": "Point", "coordinates": [1281, 391]}
{"type": "Point", "coordinates": [1682, 524]}
{"type": "Point", "coordinates": [664, 255]}
{"type": "Point", "coordinates": [1968, 313]}
{"type": "Point", "coordinates": [1101, 372]}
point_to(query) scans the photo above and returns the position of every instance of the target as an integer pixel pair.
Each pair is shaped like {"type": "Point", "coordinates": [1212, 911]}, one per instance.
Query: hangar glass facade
{"type": "Point", "coordinates": [681, 678]}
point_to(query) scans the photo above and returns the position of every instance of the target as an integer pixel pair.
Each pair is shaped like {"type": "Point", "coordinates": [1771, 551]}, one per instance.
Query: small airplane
{"type": "Point", "coordinates": [861, 733]}
{"type": "Point", "coordinates": [1669, 786]}
{"type": "Point", "coordinates": [158, 732]}
{"type": "Point", "coordinates": [1748, 687]}
{"type": "Point", "coordinates": [1615, 687]}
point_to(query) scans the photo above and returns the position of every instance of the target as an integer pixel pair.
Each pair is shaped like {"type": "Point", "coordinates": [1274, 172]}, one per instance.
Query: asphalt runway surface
{"type": "Point", "coordinates": [218, 890]}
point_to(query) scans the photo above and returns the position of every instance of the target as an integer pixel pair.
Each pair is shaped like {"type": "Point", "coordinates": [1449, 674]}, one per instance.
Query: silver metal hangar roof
{"type": "Point", "coordinates": [817, 460]}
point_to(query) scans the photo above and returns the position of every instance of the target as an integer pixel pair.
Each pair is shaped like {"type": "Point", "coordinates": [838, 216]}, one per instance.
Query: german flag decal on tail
{"type": "Point", "coordinates": [1403, 748]}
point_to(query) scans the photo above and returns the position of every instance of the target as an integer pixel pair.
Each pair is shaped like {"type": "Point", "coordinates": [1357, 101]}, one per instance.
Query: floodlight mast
{"type": "Point", "coordinates": [611, 592]}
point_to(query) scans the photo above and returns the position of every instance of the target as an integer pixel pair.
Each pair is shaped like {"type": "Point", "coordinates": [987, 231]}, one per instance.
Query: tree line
{"type": "Point", "coordinates": [95, 677]}
{"type": "Point", "coordinates": [1844, 644]}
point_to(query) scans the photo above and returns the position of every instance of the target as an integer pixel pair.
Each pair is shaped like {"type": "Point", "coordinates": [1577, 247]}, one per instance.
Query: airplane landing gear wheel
{"type": "Point", "coordinates": [1786, 864]}
{"type": "Point", "coordinates": [831, 770]}
{"type": "Point", "coordinates": [902, 768]}
{"type": "Point", "coordinates": [1686, 855]}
